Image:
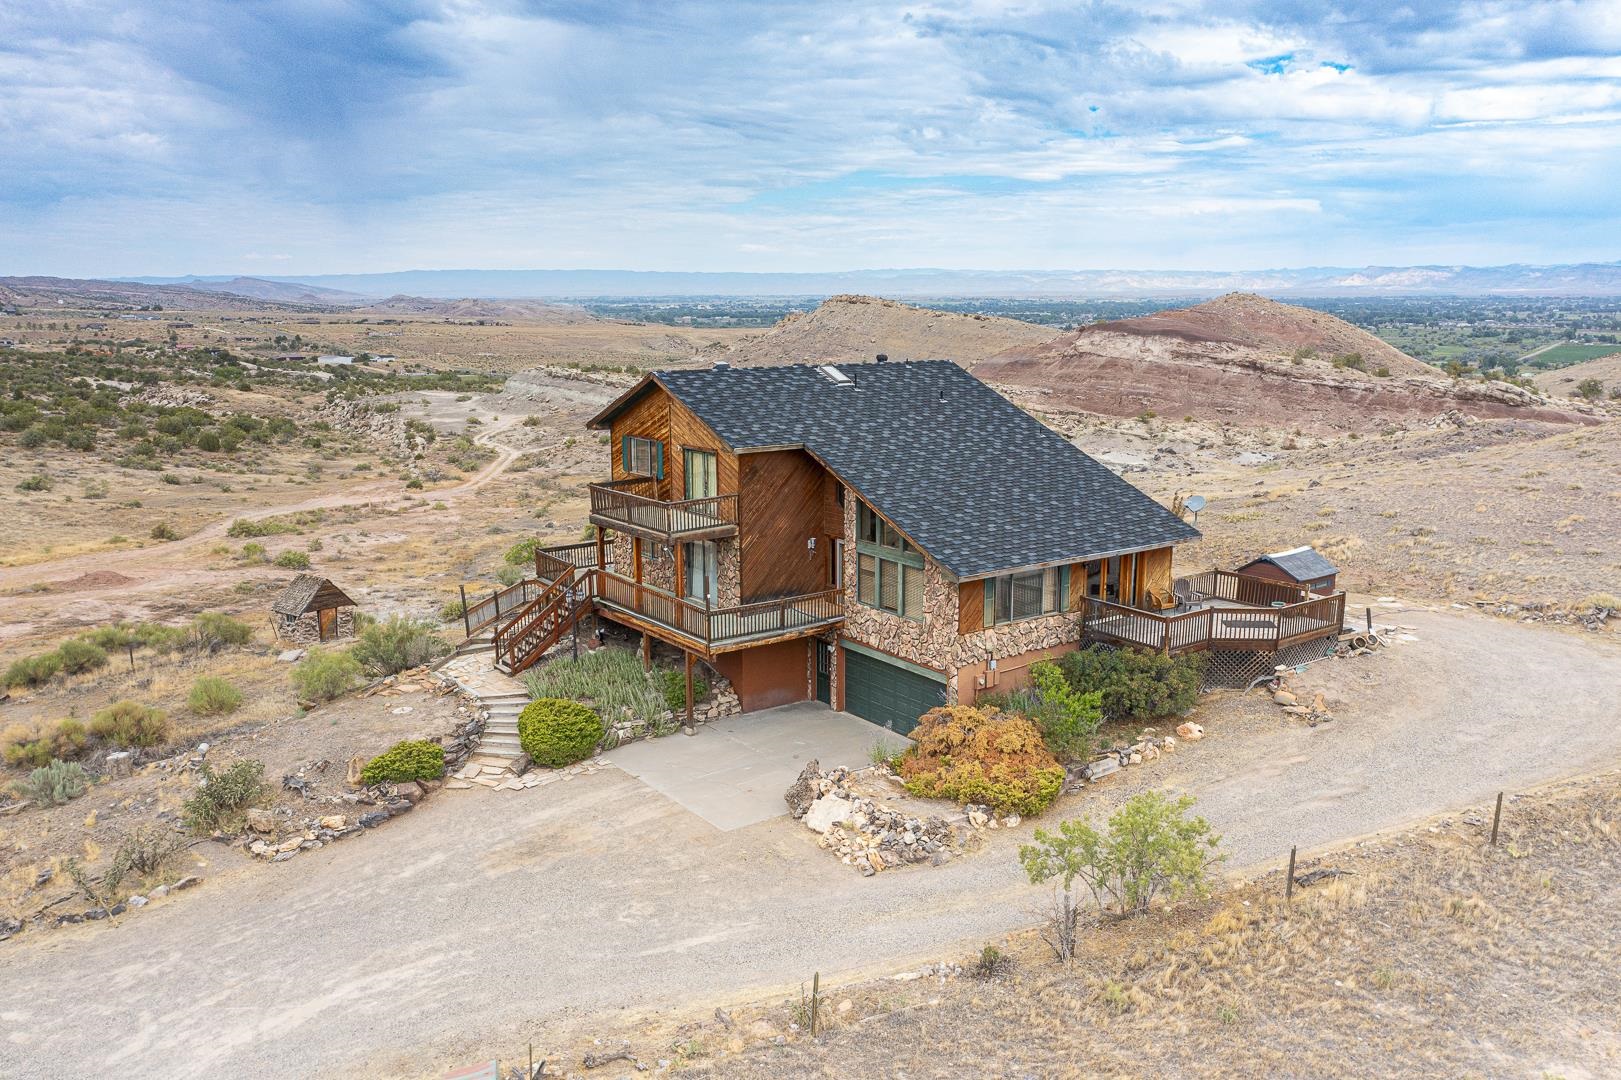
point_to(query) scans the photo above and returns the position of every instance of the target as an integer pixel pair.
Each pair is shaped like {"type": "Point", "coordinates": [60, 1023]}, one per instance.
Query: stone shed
{"type": "Point", "coordinates": [312, 609]}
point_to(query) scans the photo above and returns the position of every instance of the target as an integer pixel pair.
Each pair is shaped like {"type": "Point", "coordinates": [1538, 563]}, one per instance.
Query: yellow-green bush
{"type": "Point", "coordinates": [969, 755]}
{"type": "Point", "coordinates": [129, 723]}
{"type": "Point", "coordinates": [555, 732]}
{"type": "Point", "coordinates": [413, 759]}
{"type": "Point", "coordinates": [34, 746]}
{"type": "Point", "coordinates": [213, 696]}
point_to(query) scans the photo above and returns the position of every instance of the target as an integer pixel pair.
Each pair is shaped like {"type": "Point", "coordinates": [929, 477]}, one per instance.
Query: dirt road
{"type": "Point", "coordinates": [476, 921]}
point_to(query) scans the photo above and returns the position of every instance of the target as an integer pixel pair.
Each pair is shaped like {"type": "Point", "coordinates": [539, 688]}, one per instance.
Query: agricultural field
{"type": "Point", "coordinates": [1571, 352]}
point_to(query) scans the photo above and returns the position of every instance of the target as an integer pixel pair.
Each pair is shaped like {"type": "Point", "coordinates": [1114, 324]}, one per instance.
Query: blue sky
{"type": "Point", "coordinates": [311, 136]}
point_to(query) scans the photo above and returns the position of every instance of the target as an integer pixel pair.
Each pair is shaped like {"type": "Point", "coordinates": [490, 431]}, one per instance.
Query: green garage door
{"type": "Point", "coordinates": [887, 693]}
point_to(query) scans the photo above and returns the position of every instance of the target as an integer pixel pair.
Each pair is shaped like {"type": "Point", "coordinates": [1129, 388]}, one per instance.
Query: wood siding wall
{"type": "Point", "coordinates": [660, 417]}
{"type": "Point", "coordinates": [782, 503]}
{"type": "Point", "coordinates": [1156, 574]}
{"type": "Point", "coordinates": [970, 607]}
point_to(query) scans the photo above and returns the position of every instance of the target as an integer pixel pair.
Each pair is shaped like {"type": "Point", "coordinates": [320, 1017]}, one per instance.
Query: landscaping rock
{"type": "Point", "coordinates": [185, 883]}
{"type": "Point", "coordinates": [120, 764]}
{"type": "Point", "coordinates": [158, 893]}
{"type": "Point", "coordinates": [827, 812]}
{"type": "Point", "coordinates": [262, 821]}
{"type": "Point", "coordinates": [373, 819]}
{"type": "Point", "coordinates": [291, 656]}
{"type": "Point", "coordinates": [1190, 731]}
{"type": "Point", "coordinates": [333, 822]}
{"type": "Point", "coordinates": [804, 790]}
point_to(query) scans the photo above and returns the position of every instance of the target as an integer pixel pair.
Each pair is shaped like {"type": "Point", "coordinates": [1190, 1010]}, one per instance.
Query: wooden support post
{"type": "Point", "coordinates": [1369, 613]}
{"type": "Point", "coordinates": [816, 1001]}
{"type": "Point", "coordinates": [1289, 882]}
{"type": "Point", "coordinates": [647, 651]}
{"type": "Point", "coordinates": [602, 548]}
{"type": "Point", "coordinates": [467, 624]}
{"type": "Point", "coordinates": [689, 689]}
{"type": "Point", "coordinates": [1497, 817]}
{"type": "Point", "coordinates": [680, 570]}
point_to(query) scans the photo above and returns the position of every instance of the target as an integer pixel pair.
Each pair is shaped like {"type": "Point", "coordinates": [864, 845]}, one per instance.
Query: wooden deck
{"type": "Point", "coordinates": [1215, 623]}
{"type": "Point", "coordinates": [630, 506]}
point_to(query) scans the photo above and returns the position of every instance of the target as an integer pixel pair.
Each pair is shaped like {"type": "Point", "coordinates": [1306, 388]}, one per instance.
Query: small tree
{"type": "Point", "coordinates": [1151, 848]}
{"type": "Point", "coordinates": [1590, 389]}
{"type": "Point", "coordinates": [1068, 718]}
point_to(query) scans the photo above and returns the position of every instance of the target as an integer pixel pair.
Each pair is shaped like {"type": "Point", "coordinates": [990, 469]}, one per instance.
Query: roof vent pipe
{"type": "Point", "coordinates": [883, 357]}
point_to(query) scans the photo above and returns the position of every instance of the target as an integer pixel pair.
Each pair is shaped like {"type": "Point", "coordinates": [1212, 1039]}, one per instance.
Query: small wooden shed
{"type": "Point", "coordinates": [1301, 566]}
{"type": "Point", "coordinates": [312, 609]}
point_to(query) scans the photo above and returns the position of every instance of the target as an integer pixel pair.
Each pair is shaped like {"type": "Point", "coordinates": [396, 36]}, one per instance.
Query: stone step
{"type": "Point", "coordinates": [500, 744]}
{"type": "Point", "coordinates": [498, 728]}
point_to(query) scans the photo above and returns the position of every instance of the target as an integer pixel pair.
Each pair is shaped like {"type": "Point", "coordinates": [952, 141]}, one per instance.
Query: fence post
{"type": "Point", "coordinates": [816, 1000]}
{"type": "Point", "coordinates": [467, 624]}
{"type": "Point", "coordinates": [1289, 882]}
{"type": "Point", "coordinates": [1497, 817]}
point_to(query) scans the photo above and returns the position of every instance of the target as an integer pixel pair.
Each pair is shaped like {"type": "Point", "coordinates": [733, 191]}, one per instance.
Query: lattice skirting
{"type": "Point", "coordinates": [1236, 670]}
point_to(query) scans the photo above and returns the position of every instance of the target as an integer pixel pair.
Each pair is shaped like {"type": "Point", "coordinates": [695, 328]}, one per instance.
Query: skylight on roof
{"type": "Point", "coordinates": [834, 374]}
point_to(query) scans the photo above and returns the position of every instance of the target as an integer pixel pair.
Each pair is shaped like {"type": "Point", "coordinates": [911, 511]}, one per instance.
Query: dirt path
{"type": "Point", "coordinates": [483, 916]}
{"type": "Point", "coordinates": [144, 563]}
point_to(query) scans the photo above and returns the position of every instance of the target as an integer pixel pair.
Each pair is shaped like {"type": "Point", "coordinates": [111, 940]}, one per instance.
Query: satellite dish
{"type": "Point", "coordinates": [1194, 503]}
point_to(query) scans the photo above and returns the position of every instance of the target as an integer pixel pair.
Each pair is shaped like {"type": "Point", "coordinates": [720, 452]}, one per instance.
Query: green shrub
{"type": "Point", "coordinates": [414, 759]}
{"type": "Point", "coordinates": [387, 648]}
{"type": "Point", "coordinates": [452, 611]}
{"type": "Point", "coordinates": [222, 798]}
{"type": "Point", "coordinates": [673, 685]}
{"type": "Point", "coordinates": [35, 745]}
{"type": "Point", "coordinates": [130, 724]}
{"type": "Point", "coordinates": [293, 560]}
{"type": "Point", "coordinates": [80, 655]}
{"type": "Point", "coordinates": [35, 483]}
{"type": "Point", "coordinates": [323, 675]}
{"type": "Point", "coordinates": [33, 670]}
{"type": "Point", "coordinates": [213, 696]}
{"type": "Point", "coordinates": [164, 531]}
{"type": "Point", "coordinates": [611, 681]}
{"type": "Point", "coordinates": [253, 552]}
{"type": "Point", "coordinates": [523, 552]}
{"type": "Point", "coordinates": [413, 484]}
{"type": "Point", "coordinates": [972, 756]}
{"type": "Point", "coordinates": [55, 783]}
{"type": "Point", "coordinates": [212, 631]}
{"type": "Point", "coordinates": [1067, 717]}
{"type": "Point", "coordinates": [555, 732]}
{"type": "Point", "coordinates": [1136, 684]}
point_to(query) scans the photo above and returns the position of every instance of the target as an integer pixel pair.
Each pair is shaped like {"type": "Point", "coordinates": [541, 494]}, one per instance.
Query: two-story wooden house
{"type": "Point", "coordinates": [884, 537]}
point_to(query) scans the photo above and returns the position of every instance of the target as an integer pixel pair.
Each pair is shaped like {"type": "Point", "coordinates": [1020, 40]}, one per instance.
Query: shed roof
{"type": "Point", "coordinates": [303, 593]}
{"type": "Point", "coordinates": [1302, 563]}
{"type": "Point", "coordinates": [972, 479]}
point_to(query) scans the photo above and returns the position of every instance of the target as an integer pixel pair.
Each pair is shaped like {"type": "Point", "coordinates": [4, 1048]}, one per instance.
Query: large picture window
{"type": "Point", "coordinates": [1028, 595]}
{"type": "Point", "coordinates": [889, 570]}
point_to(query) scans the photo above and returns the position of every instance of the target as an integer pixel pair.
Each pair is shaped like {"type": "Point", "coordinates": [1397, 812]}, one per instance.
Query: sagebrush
{"type": "Point", "coordinates": [223, 798]}
{"type": "Point", "coordinates": [390, 647]}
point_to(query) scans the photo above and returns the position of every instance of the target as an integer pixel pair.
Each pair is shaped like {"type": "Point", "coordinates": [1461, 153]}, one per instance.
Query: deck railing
{"type": "Point", "coordinates": [536, 626]}
{"type": "Point", "coordinates": [1240, 589]}
{"type": "Point", "coordinates": [716, 627]}
{"type": "Point", "coordinates": [481, 608]}
{"type": "Point", "coordinates": [1265, 629]}
{"type": "Point", "coordinates": [631, 504]}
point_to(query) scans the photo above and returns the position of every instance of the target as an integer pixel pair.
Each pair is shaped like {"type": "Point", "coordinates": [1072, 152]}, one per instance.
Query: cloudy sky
{"type": "Point", "coordinates": [308, 136]}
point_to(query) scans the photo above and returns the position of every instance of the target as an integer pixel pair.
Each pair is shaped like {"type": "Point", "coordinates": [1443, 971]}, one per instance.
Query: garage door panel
{"type": "Point", "coordinates": [888, 694]}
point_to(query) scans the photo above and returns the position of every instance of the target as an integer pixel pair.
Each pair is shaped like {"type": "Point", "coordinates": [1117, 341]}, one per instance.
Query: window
{"type": "Point", "coordinates": [642, 457]}
{"type": "Point", "coordinates": [1027, 595]}
{"type": "Point", "coordinates": [889, 570]}
{"type": "Point", "coordinates": [700, 474]}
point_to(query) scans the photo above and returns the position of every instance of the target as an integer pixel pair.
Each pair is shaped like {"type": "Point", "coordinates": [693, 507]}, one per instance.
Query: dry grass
{"type": "Point", "coordinates": [1439, 957]}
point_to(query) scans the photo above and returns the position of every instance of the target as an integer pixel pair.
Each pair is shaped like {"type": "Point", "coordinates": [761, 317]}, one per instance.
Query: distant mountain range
{"type": "Point", "coordinates": [1576, 279]}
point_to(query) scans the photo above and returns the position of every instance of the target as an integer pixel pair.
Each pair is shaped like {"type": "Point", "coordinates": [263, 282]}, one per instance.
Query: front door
{"type": "Point", "coordinates": [329, 623]}
{"type": "Point", "coordinates": [824, 672]}
{"type": "Point", "coordinates": [702, 573]}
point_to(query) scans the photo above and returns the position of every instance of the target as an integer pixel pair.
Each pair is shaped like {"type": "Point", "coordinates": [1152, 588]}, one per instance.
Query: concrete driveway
{"type": "Point", "coordinates": [735, 771]}
{"type": "Point", "coordinates": [487, 918]}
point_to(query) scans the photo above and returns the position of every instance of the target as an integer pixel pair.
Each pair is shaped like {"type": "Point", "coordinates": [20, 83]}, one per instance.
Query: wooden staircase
{"type": "Point", "coordinates": [523, 638]}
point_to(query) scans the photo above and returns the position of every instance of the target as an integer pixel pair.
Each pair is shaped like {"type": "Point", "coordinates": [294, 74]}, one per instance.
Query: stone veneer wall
{"type": "Point", "coordinates": [306, 629]}
{"type": "Point", "coordinates": [658, 567]}
{"type": "Point", "coordinates": [935, 642]}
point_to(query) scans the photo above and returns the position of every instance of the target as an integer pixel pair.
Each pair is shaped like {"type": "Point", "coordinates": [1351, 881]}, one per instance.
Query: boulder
{"type": "Point", "coordinates": [1283, 697]}
{"type": "Point", "coordinates": [1190, 731]}
{"type": "Point", "coordinates": [261, 821]}
{"type": "Point", "coordinates": [120, 764]}
{"type": "Point", "coordinates": [826, 812]}
{"type": "Point", "coordinates": [333, 822]}
{"type": "Point", "coordinates": [803, 792]}
{"type": "Point", "coordinates": [351, 775]}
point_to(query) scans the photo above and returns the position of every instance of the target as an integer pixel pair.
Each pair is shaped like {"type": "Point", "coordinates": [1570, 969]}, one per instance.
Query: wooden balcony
{"type": "Point", "coordinates": [1217, 623]}
{"type": "Point", "coordinates": [632, 506]}
{"type": "Point", "coordinates": [711, 630]}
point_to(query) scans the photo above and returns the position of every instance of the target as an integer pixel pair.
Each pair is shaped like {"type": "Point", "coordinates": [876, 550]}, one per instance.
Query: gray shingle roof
{"type": "Point", "coordinates": [300, 593]}
{"type": "Point", "coordinates": [1302, 563]}
{"type": "Point", "coordinates": [975, 481]}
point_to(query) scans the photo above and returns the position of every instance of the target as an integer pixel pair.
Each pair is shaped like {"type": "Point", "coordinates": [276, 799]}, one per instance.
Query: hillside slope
{"type": "Point", "coordinates": [35, 291]}
{"type": "Point", "coordinates": [1249, 361]}
{"type": "Point", "coordinates": [1561, 382]}
{"type": "Point", "coordinates": [859, 327]}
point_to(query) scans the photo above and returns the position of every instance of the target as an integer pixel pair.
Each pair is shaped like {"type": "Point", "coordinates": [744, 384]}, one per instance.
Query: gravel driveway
{"type": "Point", "coordinates": [469, 924]}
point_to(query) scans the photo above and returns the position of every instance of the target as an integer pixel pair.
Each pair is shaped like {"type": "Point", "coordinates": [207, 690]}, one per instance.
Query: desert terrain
{"type": "Point", "coordinates": [177, 463]}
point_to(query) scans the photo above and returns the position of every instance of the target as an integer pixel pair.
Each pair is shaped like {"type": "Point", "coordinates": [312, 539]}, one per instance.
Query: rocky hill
{"type": "Point", "coordinates": [471, 308]}
{"type": "Point", "coordinates": [859, 327]}
{"type": "Point", "coordinates": [60, 293]}
{"type": "Point", "coordinates": [1245, 360]}
{"type": "Point", "coordinates": [1561, 382]}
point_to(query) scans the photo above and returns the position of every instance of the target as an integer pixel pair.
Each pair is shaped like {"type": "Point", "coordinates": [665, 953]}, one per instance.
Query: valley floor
{"type": "Point", "coordinates": [486, 920]}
